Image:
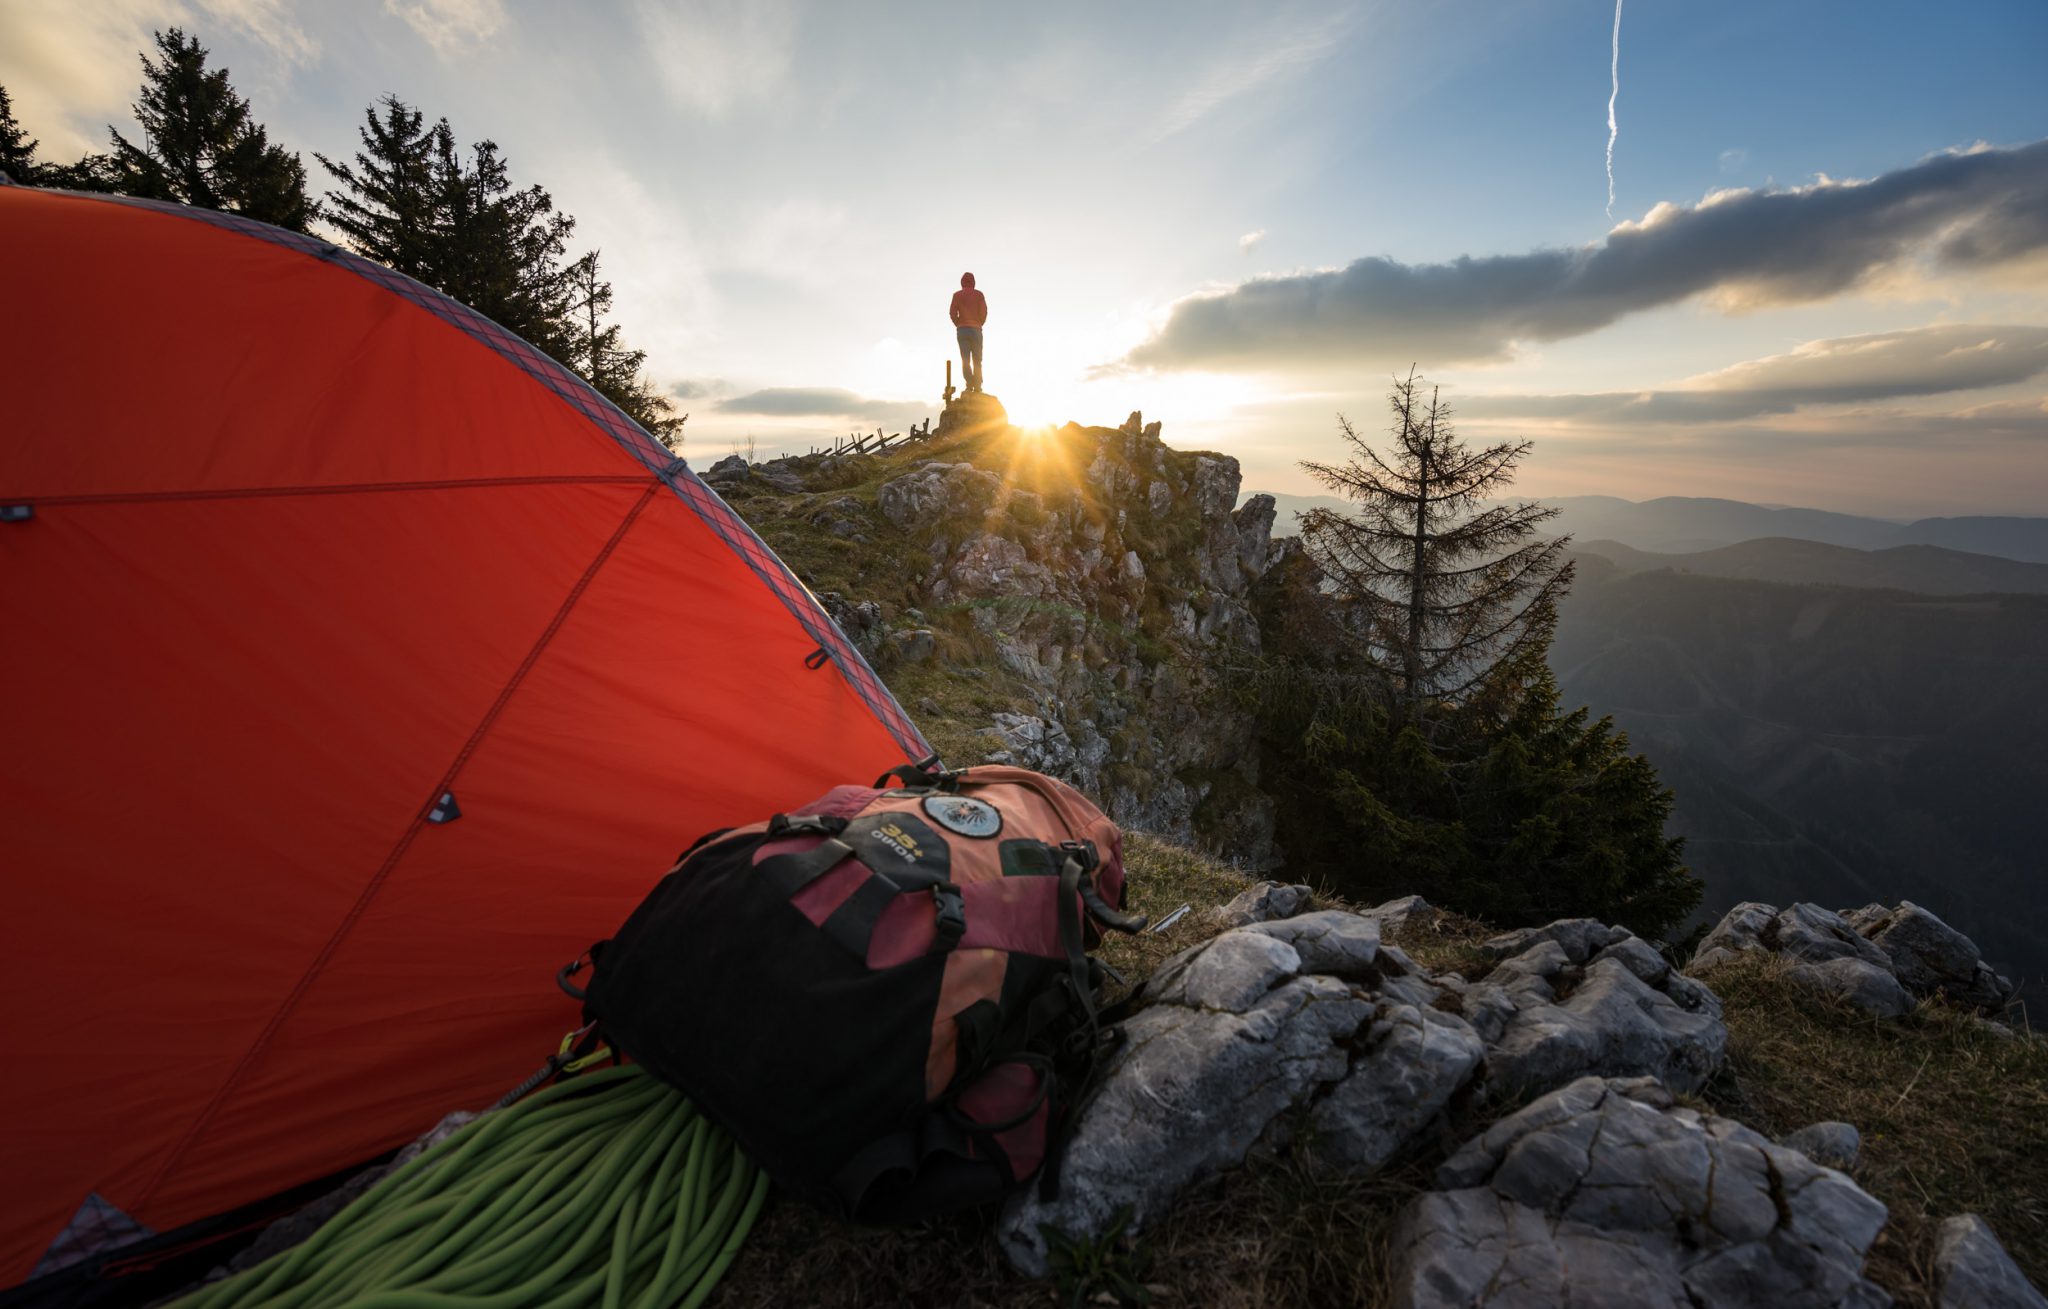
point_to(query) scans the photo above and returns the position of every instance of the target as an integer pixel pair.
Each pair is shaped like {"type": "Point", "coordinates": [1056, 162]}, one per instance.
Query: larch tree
{"type": "Point", "coordinates": [202, 147]}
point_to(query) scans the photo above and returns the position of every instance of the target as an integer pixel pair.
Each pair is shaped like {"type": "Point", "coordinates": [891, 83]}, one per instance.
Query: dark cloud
{"type": "Point", "coordinates": [824, 402]}
{"type": "Point", "coordinates": [1843, 370]}
{"type": "Point", "coordinates": [699, 388]}
{"type": "Point", "coordinates": [1971, 209]}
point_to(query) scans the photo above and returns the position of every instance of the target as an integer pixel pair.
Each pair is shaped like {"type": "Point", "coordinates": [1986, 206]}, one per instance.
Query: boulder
{"type": "Point", "coordinates": [934, 493]}
{"type": "Point", "coordinates": [1929, 957]}
{"type": "Point", "coordinates": [1835, 1144]}
{"type": "Point", "coordinates": [1238, 1036]}
{"type": "Point", "coordinates": [1973, 1271]}
{"type": "Point", "coordinates": [1546, 1020]}
{"type": "Point", "coordinates": [1266, 901]}
{"type": "Point", "coordinates": [1397, 914]}
{"type": "Point", "coordinates": [1875, 958]}
{"type": "Point", "coordinates": [1605, 1193]}
{"type": "Point", "coordinates": [913, 646]}
{"type": "Point", "coordinates": [1856, 982]}
{"type": "Point", "coordinates": [1191, 1091]}
{"type": "Point", "coordinates": [1579, 937]}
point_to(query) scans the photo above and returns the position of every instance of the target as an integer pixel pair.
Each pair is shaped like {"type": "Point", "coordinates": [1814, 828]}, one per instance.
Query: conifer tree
{"type": "Point", "coordinates": [17, 148]}
{"type": "Point", "coordinates": [1409, 702]}
{"type": "Point", "coordinates": [1445, 590]}
{"type": "Point", "coordinates": [200, 145]}
{"type": "Point", "coordinates": [386, 208]}
{"type": "Point", "coordinates": [597, 353]}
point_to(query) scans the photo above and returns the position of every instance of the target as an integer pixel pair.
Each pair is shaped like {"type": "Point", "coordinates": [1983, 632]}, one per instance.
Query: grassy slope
{"type": "Point", "coordinates": [1954, 1120]}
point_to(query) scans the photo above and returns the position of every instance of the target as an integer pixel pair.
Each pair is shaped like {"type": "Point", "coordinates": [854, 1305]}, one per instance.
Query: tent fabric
{"type": "Point", "coordinates": [290, 548]}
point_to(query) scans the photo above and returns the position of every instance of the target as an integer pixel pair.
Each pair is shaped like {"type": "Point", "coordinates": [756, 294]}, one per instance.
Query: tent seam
{"type": "Point", "coordinates": [391, 861]}
{"type": "Point", "coordinates": [578, 394]}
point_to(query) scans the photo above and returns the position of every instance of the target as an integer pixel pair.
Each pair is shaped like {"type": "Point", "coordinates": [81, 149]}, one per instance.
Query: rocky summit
{"type": "Point", "coordinates": [1071, 600]}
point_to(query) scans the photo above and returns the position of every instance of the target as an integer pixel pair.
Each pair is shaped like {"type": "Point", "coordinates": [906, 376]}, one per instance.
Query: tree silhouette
{"type": "Point", "coordinates": [386, 207]}
{"type": "Point", "coordinates": [1446, 589]}
{"type": "Point", "coordinates": [200, 145]}
{"type": "Point", "coordinates": [17, 148]}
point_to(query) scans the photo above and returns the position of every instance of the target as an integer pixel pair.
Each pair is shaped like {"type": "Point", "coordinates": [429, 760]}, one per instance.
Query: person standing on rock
{"type": "Point", "coordinates": [970, 311]}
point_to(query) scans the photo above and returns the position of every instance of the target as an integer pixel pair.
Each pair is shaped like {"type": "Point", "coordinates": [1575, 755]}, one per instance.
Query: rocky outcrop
{"type": "Point", "coordinates": [1303, 1018]}
{"type": "Point", "coordinates": [1581, 997]}
{"type": "Point", "coordinates": [1607, 1193]}
{"type": "Point", "coordinates": [1877, 959]}
{"type": "Point", "coordinates": [1973, 1271]}
{"type": "Point", "coordinates": [1835, 1144]}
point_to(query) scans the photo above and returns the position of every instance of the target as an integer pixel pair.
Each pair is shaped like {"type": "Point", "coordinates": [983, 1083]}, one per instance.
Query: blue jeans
{"type": "Point", "coordinates": [970, 357]}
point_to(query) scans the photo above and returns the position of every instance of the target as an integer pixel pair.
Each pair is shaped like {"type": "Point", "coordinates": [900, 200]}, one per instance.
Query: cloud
{"type": "Point", "coordinates": [1967, 210]}
{"type": "Point", "coordinates": [1250, 240]}
{"type": "Point", "coordinates": [1842, 370]}
{"type": "Point", "coordinates": [451, 27]}
{"type": "Point", "coordinates": [824, 402]}
{"type": "Point", "coordinates": [699, 388]}
{"type": "Point", "coordinates": [711, 54]}
{"type": "Point", "coordinates": [1733, 158]}
{"type": "Point", "coordinates": [72, 67]}
{"type": "Point", "coordinates": [1237, 76]}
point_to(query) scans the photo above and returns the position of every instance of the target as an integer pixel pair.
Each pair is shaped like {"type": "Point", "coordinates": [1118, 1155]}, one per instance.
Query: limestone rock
{"type": "Point", "coordinates": [1973, 1271]}
{"type": "Point", "coordinates": [1835, 1144]}
{"type": "Point", "coordinates": [1187, 1096]}
{"type": "Point", "coordinates": [1856, 982]}
{"type": "Point", "coordinates": [1929, 957]}
{"type": "Point", "coordinates": [1267, 901]}
{"type": "Point", "coordinates": [1031, 742]}
{"type": "Point", "coordinates": [912, 646]}
{"type": "Point", "coordinates": [1547, 1021]}
{"type": "Point", "coordinates": [1580, 937]}
{"type": "Point", "coordinates": [928, 495]}
{"type": "Point", "coordinates": [1332, 942]}
{"type": "Point", "coordinates": [1307, 1012]}
{"type": "Point", "coordinates": [1604, 1193]}
{"type": "Point", "coordinates": [1874, 958]}
{"type": "Point", "coordinates": [1410, 1064]}
{"type": "Point", "coordinates": [1397, 914]}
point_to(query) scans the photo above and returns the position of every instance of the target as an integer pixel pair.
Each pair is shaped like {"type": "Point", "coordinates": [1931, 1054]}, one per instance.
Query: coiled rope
{"type": "Point", "coordinates": [606, 1189]}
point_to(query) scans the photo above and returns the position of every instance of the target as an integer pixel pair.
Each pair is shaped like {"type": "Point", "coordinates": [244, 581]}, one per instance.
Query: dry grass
{"type": "Point", "coordinates": [1954, 1119]}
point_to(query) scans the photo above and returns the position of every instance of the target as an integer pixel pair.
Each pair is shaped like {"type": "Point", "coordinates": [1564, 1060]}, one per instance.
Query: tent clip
{"type": "Point", "coordinates": [817, 658]}
{"type": "Point", "coordinates": [445, 809]}
{"type": "Point", "coordinates": [16, 513]}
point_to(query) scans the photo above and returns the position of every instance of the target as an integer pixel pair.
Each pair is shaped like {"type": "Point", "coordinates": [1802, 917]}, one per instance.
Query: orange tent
{"type": "Point", "coordinates": [362, 666]}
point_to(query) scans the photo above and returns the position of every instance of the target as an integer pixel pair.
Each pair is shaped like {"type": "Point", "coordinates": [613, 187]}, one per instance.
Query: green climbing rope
{"type": "Point", "coordinates": [606, 1189]}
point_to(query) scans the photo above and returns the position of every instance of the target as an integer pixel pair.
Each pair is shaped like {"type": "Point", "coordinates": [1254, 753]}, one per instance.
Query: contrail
{"type": "Point", "coordinates": [1613, 129]}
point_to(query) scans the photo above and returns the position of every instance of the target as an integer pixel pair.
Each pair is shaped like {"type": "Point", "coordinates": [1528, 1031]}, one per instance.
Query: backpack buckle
{"type": "Point", "coordinates": [951, 915]}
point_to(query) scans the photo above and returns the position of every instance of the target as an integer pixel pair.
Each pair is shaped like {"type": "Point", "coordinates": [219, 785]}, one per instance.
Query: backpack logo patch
{"type": "Point", "coordinates": [956, 813]}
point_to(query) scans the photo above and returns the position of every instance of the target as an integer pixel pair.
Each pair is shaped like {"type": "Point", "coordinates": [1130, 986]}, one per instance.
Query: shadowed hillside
{"type": "Point", "coordinates": [1855, 745]}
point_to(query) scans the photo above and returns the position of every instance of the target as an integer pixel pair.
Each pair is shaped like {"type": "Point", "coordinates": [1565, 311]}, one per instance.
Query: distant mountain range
{"type": "Point", "coordinates": [1927, 569]}
{"type": "Point", "coordinates": [1833, 743]}
{"type": "Point", "coordinates": [1684, 524]}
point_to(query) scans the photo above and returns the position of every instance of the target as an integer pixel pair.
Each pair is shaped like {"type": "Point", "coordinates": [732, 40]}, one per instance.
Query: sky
{"type": "Point", "coordinates": [1822, 279]}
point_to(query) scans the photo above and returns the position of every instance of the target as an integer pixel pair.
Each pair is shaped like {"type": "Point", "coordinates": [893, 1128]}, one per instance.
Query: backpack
{"type": "Point", "coordinates": [885, 996]}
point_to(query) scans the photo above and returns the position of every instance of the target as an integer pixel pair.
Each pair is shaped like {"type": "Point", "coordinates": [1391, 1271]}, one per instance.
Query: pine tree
{"type": "Point", "coordinates": [1445, 591]}
{"type": "Point", "coordinates": [387, 207]}
{"type": "Point", "coordinates": [501, 250]}
{"type": "Point", "coordinates": [17, 148]}
{"type": "Point", "coordinates": [202, 148]}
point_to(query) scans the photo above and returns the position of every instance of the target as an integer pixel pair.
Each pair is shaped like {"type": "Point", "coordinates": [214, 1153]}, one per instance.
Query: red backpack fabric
{"type": "Point", "coordinates": [884, 996]}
